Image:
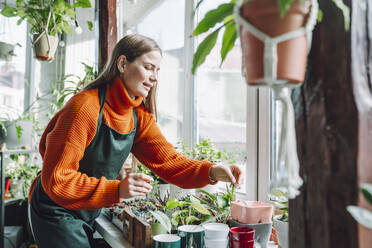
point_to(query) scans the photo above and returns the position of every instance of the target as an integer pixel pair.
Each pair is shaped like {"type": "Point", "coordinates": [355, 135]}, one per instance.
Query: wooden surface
{"type": "Point", "coordinates": [333, 126]}
{"type": "Point", "coordinates": [107, 30]}
{"type": "Point", "coordinates": [112, 235]}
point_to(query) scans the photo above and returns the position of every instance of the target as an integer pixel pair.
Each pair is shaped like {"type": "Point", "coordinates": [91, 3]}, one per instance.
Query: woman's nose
{"type": "Point", "coordinates": [154, 76]}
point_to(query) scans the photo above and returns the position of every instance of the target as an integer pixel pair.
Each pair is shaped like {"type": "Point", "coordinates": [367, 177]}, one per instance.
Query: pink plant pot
{"type": "Point", "coordinates": [251, 212]}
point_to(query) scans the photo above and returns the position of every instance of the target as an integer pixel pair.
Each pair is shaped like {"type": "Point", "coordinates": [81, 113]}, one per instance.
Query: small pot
{"type": "Point", "coordinates": [251, 212]}
{"type": "Point", "coordinates": [281, 228]}
{"type": "Point", "coordinates": [45, 46]}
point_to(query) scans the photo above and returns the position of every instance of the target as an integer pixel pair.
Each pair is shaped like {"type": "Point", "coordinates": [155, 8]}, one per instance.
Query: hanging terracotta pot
{"type": "Point", "coordinates": [291, 54]}
{"type": "Point", "coordinates": [45, 46]}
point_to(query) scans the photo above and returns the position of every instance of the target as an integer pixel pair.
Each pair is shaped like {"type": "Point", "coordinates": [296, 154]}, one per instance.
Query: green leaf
{"type": "Point", "coordinates": [19, 3]}
{"type": "Point", "coordinates": [172, 203]}
{"type": "Point", "coordinates": [284, 6]}
{"type": "Point", "coordinates": [83, 4]}
{"type": "Point", "coordinates": [8, 11]}
{"type": "Point", "coordinates": [90, 25]}
{"type": "Point", "coordinates": [320, 16]}
{"type": "Point", "coordinates": [367, 191]}
{"type": "Point", "coordinates": [66, 27]}
{"type": "Point", "coordinates": [204, 48]}
{"type": "Point", "coordinates": [361, 215]}
{"type": "Point", "coordinates": [200, 208]}
{"type": "Point", "coordinates": [229, 38]}
{"type": "Point", "coordinates": [191, 219]}
{"type": "Point", "coordinates": [193, 199]}
{"type": "Point", "coordinates": [163, 219]}
{"type": "Point", "coordinates": [213, 17]}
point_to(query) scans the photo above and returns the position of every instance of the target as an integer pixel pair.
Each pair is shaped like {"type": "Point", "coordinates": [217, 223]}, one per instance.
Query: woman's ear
{"type": "Point", "coordinates": [121, 63]}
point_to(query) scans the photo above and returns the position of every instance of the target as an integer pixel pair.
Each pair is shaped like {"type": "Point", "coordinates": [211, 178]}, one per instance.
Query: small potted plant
{"type": "Point", "coordinates": [47, 19]}
{"type": "Point", "coordinates": [280, 219]}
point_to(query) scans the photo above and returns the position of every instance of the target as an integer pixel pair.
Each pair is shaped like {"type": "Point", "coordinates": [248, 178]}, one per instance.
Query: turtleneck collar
{"type": "Point", "coordinates": [118, 98]}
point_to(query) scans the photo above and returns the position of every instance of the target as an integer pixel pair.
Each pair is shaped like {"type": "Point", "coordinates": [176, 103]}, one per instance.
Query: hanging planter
{"type": "Point", "coordinates": [275, 52]}
{"type": "Point", "coordinates": [268, 38]}
{"type": "Point", "coordinates": [45, 46]}
{"type": "Point", "coordinates": [7, 51]}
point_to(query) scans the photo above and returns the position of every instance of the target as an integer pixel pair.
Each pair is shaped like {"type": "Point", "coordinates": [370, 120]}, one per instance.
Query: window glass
{"type": "Point", "coordinates": [12, 68]}
{"type": "Point", "coordinates": [222, 95]}
{"type": "Point", "coordinates": [170, 37]}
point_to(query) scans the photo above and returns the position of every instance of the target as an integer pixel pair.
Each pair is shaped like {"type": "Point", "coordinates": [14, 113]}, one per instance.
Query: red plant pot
{"type": "Point", "coordinates": [242, 234]}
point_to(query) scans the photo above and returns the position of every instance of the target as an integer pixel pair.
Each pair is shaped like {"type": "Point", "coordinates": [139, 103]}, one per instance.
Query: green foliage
{"type": "Point", "coordinates": [162, 218]}
{"type": "Point", "coordinates": [223, 15]}
{"type": "Point", "coordinates": [21, 170]}
{"type": "Point", "coordinates": [53, 16]}
{"type": "Point", "coordinates": [218, 204]}
{"type": "Point", "coordinates": [70, 85]}
{"type": "Point", "coordinates": [362, 215]}
{"type": "Point", "coordinates": [280, 199]}
{"type": "Point", "coordinates": [206, 150]}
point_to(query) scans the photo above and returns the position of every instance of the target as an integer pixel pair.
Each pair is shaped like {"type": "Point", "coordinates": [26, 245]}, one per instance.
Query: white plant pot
{"type": "Point", "coordinates": [45, 46]}
{"type": "Point", "coordinates": [11, 138]}
{"type": "Point", "coordinates": [281, 228]}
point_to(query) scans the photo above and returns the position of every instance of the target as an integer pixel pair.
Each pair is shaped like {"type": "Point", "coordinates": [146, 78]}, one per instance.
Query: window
{"type": "Point", "coordinates": [215, 103]}
{"type": "Point", "coordinates": [222, 97]}
{"type": "Point", "coordinates": [170, 95]}
{"type": "Point", "coordinates": [12, 71]}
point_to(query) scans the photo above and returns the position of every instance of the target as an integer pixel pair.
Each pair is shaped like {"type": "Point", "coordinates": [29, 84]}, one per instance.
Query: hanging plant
{"type": "Point", "coordinates": [225, 17]}
{"type": "Point", "coordinates": [47, 19]}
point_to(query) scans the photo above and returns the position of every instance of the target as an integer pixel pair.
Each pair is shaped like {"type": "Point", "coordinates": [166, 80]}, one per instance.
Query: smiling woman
{"type": "Point", "coordinates": [86, 143]}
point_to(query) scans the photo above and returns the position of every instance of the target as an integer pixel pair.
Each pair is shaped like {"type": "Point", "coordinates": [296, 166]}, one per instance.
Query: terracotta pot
{"type": "Point", "coordinates": [45, 47]}
{"type": "Point", "coordinates": [251, 212]}
{"type": "Point", "coordinates": [292, 54]}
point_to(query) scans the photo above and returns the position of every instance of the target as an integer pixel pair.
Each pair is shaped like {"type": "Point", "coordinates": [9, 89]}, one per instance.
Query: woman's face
{"type": "Point", "coordinates": [141, 74]}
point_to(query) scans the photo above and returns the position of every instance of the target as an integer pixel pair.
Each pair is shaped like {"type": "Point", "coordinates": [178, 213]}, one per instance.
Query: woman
{"type": "Point", "coordinates": [86, 143]}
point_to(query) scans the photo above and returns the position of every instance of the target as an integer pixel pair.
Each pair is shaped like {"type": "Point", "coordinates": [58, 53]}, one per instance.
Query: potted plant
{"type": "Point", "coordinates": [21, 172]}
{"type": "Point", "coordinates": [362, 215]}
{"type": "Point", "coordinates": [47, 19]}
{"type": "Point", "coordinates": [280, 219]}
{"type": "Point", "coordinates": [273, 18]}
{"type": "Point", "coordinates": [7, 50]}
{"type": "Point", "coordinates": [206, 150]}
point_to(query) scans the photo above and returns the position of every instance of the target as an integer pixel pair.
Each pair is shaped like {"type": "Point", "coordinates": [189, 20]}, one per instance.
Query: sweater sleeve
{"type": "Point", "coordinates": [153, 150]}
{"type": "Point", "coordinates": [62, 147]}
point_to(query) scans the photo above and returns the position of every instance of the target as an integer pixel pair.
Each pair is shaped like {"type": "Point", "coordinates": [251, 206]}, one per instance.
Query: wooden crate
{"type": "Point", "coordinates": [128, 225]}
{"type": "Point", "coordinates": [142, 234]}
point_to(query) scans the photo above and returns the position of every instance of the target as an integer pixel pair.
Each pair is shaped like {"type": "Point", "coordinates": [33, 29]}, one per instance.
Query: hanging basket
{"type": "Point", "coordinates": [6, 51]}
{"type": "Point", "coordinates": [45, 46]}
{"type": "Point", "coordinates": [271, 36]}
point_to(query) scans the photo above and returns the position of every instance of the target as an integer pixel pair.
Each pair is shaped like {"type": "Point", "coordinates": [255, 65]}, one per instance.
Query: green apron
{"type": "Point", "coordinates": [55, 226]}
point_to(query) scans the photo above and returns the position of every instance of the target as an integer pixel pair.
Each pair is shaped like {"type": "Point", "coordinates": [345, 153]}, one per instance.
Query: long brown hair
{"type": "Point", "coordinates": [132, 46]}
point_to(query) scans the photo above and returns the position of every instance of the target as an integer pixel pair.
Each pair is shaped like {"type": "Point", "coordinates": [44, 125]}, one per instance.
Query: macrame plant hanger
{"type": "Point", "coordinates": [46, 32]}
{"type": "Point", "coordinates": [286, 169]}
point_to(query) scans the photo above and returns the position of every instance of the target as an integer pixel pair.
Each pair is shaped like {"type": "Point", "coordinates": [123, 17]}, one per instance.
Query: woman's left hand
{"type": "Point", "coordinates": [227, 173]}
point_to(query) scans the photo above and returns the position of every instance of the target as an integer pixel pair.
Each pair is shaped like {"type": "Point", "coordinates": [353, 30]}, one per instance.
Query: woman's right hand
{"type": "Point", "coordinates": [135, 184]}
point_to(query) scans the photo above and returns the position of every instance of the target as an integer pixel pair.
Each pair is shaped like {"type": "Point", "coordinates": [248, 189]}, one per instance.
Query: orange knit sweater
{"type": "Point", "coordinates": [71, 130]}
